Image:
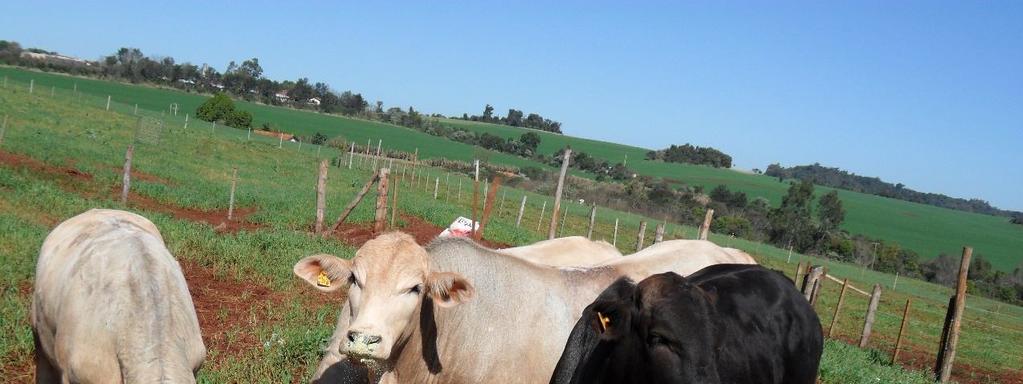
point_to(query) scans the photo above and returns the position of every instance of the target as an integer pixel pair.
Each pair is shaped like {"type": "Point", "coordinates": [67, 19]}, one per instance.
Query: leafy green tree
{"type": "Point", "coordinates": [319, 138]}
{"type": "Point", "coordinates": [216, 108]}
{"type": "Point", "coordinates": [488, 113]}
{"type": "Point", "coordinates": [530, 141]}
{"type": "Point", "coordinates": [239, 119]}
{"type": "Point", "coordinates": [830, 212]}
{"type": "Point", "coordinates": [791, 223]}
{"type": "Point", "coordinates": [731, 225]}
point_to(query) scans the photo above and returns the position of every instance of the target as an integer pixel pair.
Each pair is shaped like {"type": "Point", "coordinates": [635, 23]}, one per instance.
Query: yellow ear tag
{"type": "Point", "coordinates": [604, 321]}
{"type": "Point", "coordinates": [322, 280]}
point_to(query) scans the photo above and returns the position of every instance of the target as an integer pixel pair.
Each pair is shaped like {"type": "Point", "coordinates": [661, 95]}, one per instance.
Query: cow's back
{"type": "Point", "coordinates": [768, 331]}
{"type": "Point", "coordinates": [110, 300]}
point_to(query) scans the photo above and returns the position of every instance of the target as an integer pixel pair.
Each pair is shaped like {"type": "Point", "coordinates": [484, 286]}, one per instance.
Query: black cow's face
{"type": "Point", "coordinates": [658, 332]}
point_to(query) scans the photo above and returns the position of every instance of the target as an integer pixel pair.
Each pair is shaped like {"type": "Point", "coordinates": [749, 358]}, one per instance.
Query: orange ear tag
{"type": "Point", "coordinates": [604, 321]}
{"type": "Point", "coordinates": [322, 280]}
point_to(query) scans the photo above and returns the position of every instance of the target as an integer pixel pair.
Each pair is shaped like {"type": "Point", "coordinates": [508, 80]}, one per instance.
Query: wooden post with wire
{"type": "Point", "coordinates": [522, 209]}
{"type": "Point", "coordinates": [614, 237]}
{"type": "Point", "coordinates": [705, 227]}
{"type": "Point", "coordinates": [394, 200]}
{"type": "Point", "coordinates": [355, 202]}
{"type": "Point", "coordinates": [126, 177]}
{"type": "Point", "coordinates": [950, 334]}
{"type": "Point", "coordinates": [552, 230]}
{"type": "Point", "coordinates": [659, 233]}
{"type": "Point", "coordinates": [381, 211]}
{"type": "Point", "coordinates": [539, 222]}
{"type": "Point", "coordinates": [321, 196]}
{"type": "Point", "coordinates": [902, 331]}
{"type": "Point", "coordinates": [230, 201]}
{"type": "Point", "coordinates": [640, 236]}
{"type": "Point", "coordinates": [488, 206]}
{"type": "Point", "coordinates": [593, 220]}
{"type": "Point", "coordinates": [838, 307]}
{"type": "Point", "coordinates": [868, 321]}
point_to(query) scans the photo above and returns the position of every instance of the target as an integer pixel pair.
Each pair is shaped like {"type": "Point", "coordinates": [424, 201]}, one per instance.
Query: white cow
{"type": "Point", "coordinates": [111, 305]}
{"type": "Point", "coordinates": [572, 251]}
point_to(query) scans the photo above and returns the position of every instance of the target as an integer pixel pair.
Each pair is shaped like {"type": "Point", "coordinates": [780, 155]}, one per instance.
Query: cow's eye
{"type": "Point", "coordinates": [355, 281]}
{"type": "Point", "coordinates": [415, 289]}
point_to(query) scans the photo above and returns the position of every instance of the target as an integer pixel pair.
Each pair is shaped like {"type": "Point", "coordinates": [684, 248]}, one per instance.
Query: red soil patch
{"type": "Point", "coordinates": [14, 160]}
{"type": "Point", "coordinates": [359, 233]}
{"type": "Point", "coordinates": [217, 219]}
{"type": "Point", "coordinates": [139, 175]}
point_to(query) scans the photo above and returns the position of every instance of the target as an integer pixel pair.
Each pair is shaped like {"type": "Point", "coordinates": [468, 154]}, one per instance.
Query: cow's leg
{"type": "Point", "coordinates": [45, 371]}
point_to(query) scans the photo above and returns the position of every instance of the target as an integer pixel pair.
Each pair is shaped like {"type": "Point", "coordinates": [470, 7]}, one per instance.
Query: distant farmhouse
{"type": "Point", "coordinates": [55, 58]}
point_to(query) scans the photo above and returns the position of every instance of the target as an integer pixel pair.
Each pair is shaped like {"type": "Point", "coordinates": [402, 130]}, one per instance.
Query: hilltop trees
{"type": "Point", "coordinates": [688, 153]}
{"type": "Point", "coordinates": [514, 118]}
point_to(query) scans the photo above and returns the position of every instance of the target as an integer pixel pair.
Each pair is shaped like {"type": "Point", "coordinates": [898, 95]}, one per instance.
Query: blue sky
{"type": "Point", "coordinates": [926, 93]}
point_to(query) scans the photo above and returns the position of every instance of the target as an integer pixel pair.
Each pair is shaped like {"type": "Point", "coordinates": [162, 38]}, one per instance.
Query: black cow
{"type": "Point", "coordinates": [726, 323]}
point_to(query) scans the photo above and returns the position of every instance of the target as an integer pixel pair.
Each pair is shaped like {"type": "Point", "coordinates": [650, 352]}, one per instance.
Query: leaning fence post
{"type": "Point", "coordinates": [593, 220]}
{"type": "Point", "coordinates": [381, 214]}
{"type": "Point", "coordinates": [394, 200]}
{"type": "Point", "coordinates": [552, 230]}
{"type": "Point", "coordinates": [705, 227]}
{"type": "Point", "coordinates": [126, 178]}
{"type": "Point", "coordinates": [321, 196]}
{"type": "Point", "coordinates": [868, 322]}
{"type": "Point", "coordinates": [108, 102]}
{"type": "Point", "coordinates": [522, 209]}
{"type": "Point", "coordinates": [186, 122]}
{"type": "Point", "coordinates": [230, 201]}
{"type": "Point", "coordinates": [902, 331]}
{"type": "Point", "coordinates": [564, 218]}
{"type": "Point", "coordinates": [841, 299]}
{"type": "Point", "coordinates": [659, 233]}
{"type": "Point", "coordinates": [355, 202]}
{"type": "Point", "coordinates": [640, 236]}
{"type": "Point", "coordinates": [947, 352]}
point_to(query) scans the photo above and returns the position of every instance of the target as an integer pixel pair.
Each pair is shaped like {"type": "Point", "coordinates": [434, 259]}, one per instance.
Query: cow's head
{"type": "Point", "coordinates": [388, 280]}
{"type": "Point", "coordinates": [657, 331]}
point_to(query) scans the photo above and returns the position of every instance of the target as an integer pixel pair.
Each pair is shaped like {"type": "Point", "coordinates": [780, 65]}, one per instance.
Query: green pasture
{"type": "Point", "coordinates": [194, 168]}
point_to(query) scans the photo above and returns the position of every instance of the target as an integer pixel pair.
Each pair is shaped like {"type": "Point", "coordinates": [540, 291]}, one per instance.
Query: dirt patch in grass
{"type": "Point", "coordinates": [142, 176]}
{"type": "Point", "coordinates": [15, 160]}
{"type": "Point", "coordinates": [356, 234]}
{"type": "Point", "coordinates": [217, 219]}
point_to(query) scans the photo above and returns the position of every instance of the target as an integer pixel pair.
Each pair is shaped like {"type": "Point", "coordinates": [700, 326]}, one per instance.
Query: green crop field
{"type": "Point", "coordinates": [267, 327]}
{"type": "Point", "coordinates": [926, 229]}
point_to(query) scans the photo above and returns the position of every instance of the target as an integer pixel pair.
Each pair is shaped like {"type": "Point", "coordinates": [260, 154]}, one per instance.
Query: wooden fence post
{"type": "Point", "coordinates": [868, 322]}
{"type": "Point", "coordinates": [136, 109]}
{"type": "Point", "coordinates": [659, 233]}
{"type": "Point", "coordinates": [321, 196]}
{"type": "Point", "coordinates": [551, 231]}
{"type": "Point", "coordinates": [108, 102]}
{"type": "Point", "coordinates": [705, 227]}
{"type": "Point", "coordinates": [351, 155]}
{"type": "Point", "coordinates": [614, 238]}
{"type": "Point", "coordinates": [799, 268]}
{"type": "Point", "coordinates": [488, 206]}
{"type": "Point", "coordinates": [381, 216]}
{"type": "Point", "coordinates": [31, 85]}
{"type": "Point", "coordinates": [186, 122]}
{"type": "Point", "coordinates": [810, 281]}
{"type": "Point", "coordinates": [564, 218]}
{"type": "Point", "coordinates": [902, 331]}
{"type": "Point", "coordinates": [459, 198]}
{"type": "Point", "coordinates": [593, 220]}
{"type": "Point", "coordinates": [500, 207]}
{"type": "Point", "coordinates": [542, 209]}
{"type": "Point", "coordinates": [522, 209]}
{"type": "Point", "coordinates": [640, 236]}
{"type": "Point", "coordinates": [841, 299]}
{"type": "Point", "coordinates": [351, 206]}
{"type": "Point", "coordinates": [126, 178]}
{"type": "Point", "coordinates": [230, 201]}
{"type": "Point", "coordinates": [436, 187]}
{"type": "Point", "coordinates": [947, 352]}
{"type": "Point", "coordinates": [394, 200]}
{"type": "Point", "coordinates": [475, 203]}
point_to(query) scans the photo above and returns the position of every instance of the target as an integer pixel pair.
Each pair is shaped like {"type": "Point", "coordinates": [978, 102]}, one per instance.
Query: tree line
{"type": "Point", "coordinates": [515, 119]}
{"type": "Point", "coordinates": [688, 153]}
{"type": "Point", "coordinates": [837, 178]}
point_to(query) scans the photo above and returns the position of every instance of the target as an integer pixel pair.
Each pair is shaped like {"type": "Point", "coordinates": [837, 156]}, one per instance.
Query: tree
{"type": "Point", "coordinates": [488, 113]}
{"type": "Point", "coordinates": [830, 212]}
{"type": "Point", "coordinates": [791, 223]}
{"type": "Point", "coordinates": [216, 108]}
{"type": "Point", "coordinates": [239, 119]}
{"type": "Point", "coordinates": [319, 138]}
{"type": "Point", "coordinates": [530, 141]}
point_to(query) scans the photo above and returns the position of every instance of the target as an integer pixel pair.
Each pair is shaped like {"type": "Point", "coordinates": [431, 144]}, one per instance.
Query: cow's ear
{"type": "Point", "coordinates": [711, 293]}
{"type": "Point", "coordinates": [611, 319]}
{"type": "Point", "coordinates": [325, 272]}
{"type": "Point", "coordinates": [448, 289]}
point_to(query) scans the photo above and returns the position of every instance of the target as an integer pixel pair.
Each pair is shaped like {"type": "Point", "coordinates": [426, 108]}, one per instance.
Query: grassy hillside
{"type": "Point", "coordinates": [61, 157]}
{"type": "Point", "coordinates": [926, 229]}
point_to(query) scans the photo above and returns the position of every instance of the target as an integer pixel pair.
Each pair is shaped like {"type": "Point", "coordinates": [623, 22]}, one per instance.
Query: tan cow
{"type": "Point", "coordinates": [111, 305]}
{"type": "Point", "coordinates": [572, 251]}
{"type": "Point", "coordinates": [457, 312]}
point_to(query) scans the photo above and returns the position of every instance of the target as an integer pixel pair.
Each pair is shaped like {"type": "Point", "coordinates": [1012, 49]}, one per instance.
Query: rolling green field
{"type": "Point", "coordinates": [280, 340]}
{"type": "Point", "coordinates": [926, 229]}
